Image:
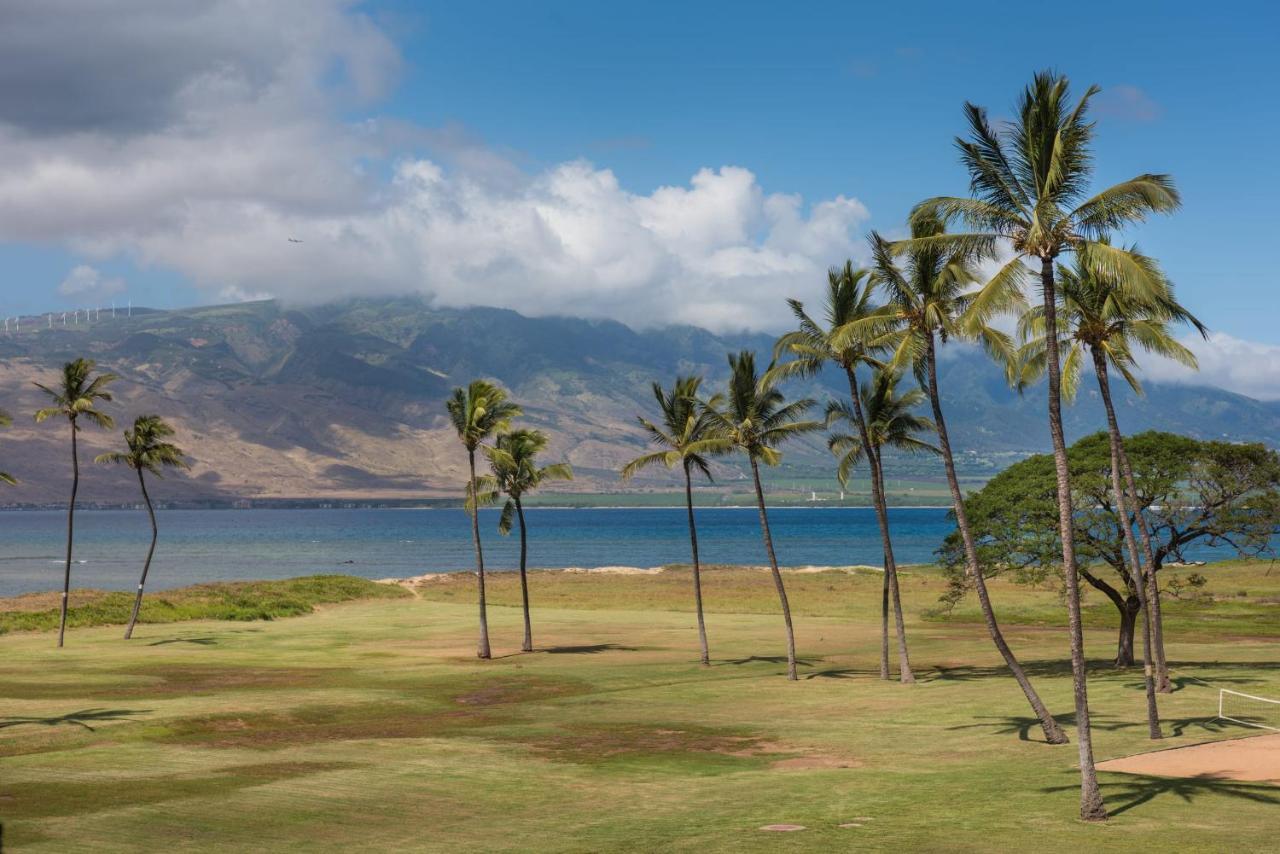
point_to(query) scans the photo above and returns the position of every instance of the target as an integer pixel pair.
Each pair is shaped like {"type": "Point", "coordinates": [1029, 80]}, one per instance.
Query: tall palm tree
{"type": "Point", "coordinates": [514, 461]}
{"type": "Point", "coordinates": [887, 422]}
{"type": "Point", "coordinates": [1029, 183]}
{"type": "Point", "coordinates": [74, 397]}
{"type": "Point", "coordinates": [1096, 316]}
{"type": "Point", "coordinates": [689, 438]}
{"type": "Point", "coordinates": [933, 297]}
{"type": "Point", "coordinates": [755, 417]}
{"type": "Point", "coordinates": [477, 412]}
{"type": "Point", "coordinates": [147, 452]}
{"type": "Point", "coordinates": [812, 347]}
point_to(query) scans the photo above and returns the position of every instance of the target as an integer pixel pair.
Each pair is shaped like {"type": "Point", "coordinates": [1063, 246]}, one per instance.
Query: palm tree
{"type": "Point", "coordinates": [933, 298]}
{"type": "Point", "coordinates": [147, 452]}
{"type": "Point", "coordinates": [1097, 316]}
{"type": "Point", "coordinates": [888, 423]}
{"type": "Point", "coordinates": [688, 436]}
{"type": "Point", "coordinates": [1029, 182]}
{"type": "Point", "coordinates": [812, 347]}
{"type": "Point", "coordinates": [75, 396]}
{"type": "Point", "coordinates": [755, 418]}
{"type": "Point", "coordinates": [513, 459]}
{"type": "Point", "coordinates": [477, 412]}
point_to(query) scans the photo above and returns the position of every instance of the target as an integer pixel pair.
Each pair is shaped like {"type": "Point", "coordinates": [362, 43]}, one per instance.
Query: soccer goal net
{"type": "Point", "coordinates": [1246, 709]}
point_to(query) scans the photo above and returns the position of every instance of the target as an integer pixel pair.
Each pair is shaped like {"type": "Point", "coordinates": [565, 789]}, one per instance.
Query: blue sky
{"type": "Point", "coordinates": [497, 113]}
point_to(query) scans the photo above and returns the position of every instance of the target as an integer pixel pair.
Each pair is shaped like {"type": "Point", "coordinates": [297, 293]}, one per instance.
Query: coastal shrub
{"type": "Point", "coordinates": [238, 600]}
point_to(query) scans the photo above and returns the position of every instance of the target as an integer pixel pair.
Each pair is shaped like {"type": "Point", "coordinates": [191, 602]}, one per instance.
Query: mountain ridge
{"type": "Point", "coordinates": [345, 400]}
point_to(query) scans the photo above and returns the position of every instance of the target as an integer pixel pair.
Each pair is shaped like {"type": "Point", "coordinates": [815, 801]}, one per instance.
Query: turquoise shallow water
{"type": "Point", "coordinates": [220, 545]}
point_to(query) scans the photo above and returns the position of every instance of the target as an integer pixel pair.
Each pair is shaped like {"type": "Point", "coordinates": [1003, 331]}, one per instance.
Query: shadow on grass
{"type": "Point", "coordinates": [204, 641]}
{"type": "Point", "coordinates": [1127, 794]}
{"type": "Point", "coordinates": [80, 718]}
{"type": "Point", "coordinates": [588, 649]}
{"type": "Point", "coordinates": [1025, 726]}
{"type": "Point", "coordinates": [769, 659]}
{"type": "Point", "coordinates": [843, 673]}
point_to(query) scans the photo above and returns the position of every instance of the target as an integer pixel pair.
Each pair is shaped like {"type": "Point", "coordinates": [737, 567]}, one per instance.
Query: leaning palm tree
{"type": "Point", "coordinates": [755, 417]}
{"type": "Point", "coordinates": [1029, 182]}
{"type": "Point", "coordinates": [934, 298]}
{"type": "Point", "coordinates": [689, 438]}
{"type": "Point", "coordinates": [887, 421]}
{"type": "Point", "coordinates": [1096, 316]}
{"type": "Point", "coordinates": [513, 459]}
{"type": "Point", "coordinates": [477, 412]}
{"type": "Point", "coordinates": [812, 347]}
{"type": "Point", "coordinates": [147, 452]}
{"type": "Point", "coordinates": [74, 397]}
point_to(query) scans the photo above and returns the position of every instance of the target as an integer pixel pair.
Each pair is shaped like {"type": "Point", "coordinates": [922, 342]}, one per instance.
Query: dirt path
{"type": "Point", "coordinates": [1255, 759]}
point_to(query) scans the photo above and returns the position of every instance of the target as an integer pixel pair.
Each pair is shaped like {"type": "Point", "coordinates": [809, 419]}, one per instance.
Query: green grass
{"type": "Point", "coordinates": [242, 600]}
{"type": "Point", "coordinates": [370, 725]}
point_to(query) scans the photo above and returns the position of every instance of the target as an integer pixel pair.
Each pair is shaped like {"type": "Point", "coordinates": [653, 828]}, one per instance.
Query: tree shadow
{"type": "Point", "coordinates": [587, 649]}
{"type": "Point", "coordinates": [201, 641]}
{"type": "Point", "coordinates": [1138, 790]}
{"type": "Point", "coordinates": [1178, 726]}
{"type": "Point", "coordinates": [770, 659]}
{"type": "Point", "coordinates": [844, 673]}
{"type": "Point", "coordinates": [79, 718]}
{"type": "Point", "coordinates": [1025, 725]}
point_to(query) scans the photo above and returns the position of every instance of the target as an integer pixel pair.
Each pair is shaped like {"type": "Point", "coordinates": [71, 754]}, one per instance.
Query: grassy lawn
{"type": "Point", "coordinates": [369, 725]}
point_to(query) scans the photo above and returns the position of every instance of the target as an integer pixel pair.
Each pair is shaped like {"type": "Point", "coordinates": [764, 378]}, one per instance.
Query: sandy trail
{"type": "Point", "coordinates": [1255, 759]}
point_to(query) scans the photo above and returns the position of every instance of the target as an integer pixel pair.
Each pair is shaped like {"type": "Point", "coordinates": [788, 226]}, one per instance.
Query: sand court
{"type": "Point", "coordinates": [1254, 759]}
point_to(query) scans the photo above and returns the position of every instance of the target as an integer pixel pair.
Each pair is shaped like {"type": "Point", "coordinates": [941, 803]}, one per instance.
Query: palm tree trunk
{"type": "Point", "coordinates": [890, 587]}
{"type": "Point", "coordinates": [1091, 806]}
{"type": "Point", "coordinates": [527, 646]}
{"type": "Point", "coordinates": [1163, 685]}
{"type": "Point", "coordinates": [1052, 732]}
{"type": "Point", "coordinates": [697, 570]}
{"type": "Point", "coordinates": [71, 525]}
{"type": "Point", "coordinates": [905, 674]}
{"type": "Point", "coordinates": [146, 566]}
{"type": "Point", "coordinates": [1123, 518]}
{"type": "Point", "coordinates": [777, 576]}
{"type": "Point", "coordinates": [483, 649]}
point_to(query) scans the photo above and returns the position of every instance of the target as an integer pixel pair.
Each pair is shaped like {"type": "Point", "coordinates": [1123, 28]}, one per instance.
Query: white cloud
{"type": "Point", "coordinates": [1245, 367]}
{"type": "Point", "coordinates": [245, 141]}
{"type": "Point", "coordinates": [86, 281]}
{"type": "Point", "coordinates": [1128, 103]}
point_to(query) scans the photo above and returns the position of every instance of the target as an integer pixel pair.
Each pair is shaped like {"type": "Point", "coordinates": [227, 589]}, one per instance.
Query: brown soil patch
{"type": "Point", "coordinates": [820, 761]}
{"type": "Point", "coordinates": [783, 828]}
{"type": "Point", "coordinates": [1254, 759]}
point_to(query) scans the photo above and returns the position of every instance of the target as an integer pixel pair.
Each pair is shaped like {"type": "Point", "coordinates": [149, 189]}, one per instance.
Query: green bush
{"type": "Point", "coordinates": [239, 600]}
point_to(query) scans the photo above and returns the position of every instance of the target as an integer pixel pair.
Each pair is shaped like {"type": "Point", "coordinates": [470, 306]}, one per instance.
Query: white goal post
{"type": "Point", "coordinates": [1248, 710]}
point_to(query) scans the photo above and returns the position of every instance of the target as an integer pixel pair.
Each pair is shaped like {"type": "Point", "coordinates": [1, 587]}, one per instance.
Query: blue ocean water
{"type": "Point", "coordinates": [223, 545]}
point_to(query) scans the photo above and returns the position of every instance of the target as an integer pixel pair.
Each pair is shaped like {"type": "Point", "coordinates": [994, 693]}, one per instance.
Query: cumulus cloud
{"type": "Point", "coordinates": [86, 281]}
{"type": "Point", "coordinates": [201, 137]}
{"type": "Point", "coordinates": [1245, 367]}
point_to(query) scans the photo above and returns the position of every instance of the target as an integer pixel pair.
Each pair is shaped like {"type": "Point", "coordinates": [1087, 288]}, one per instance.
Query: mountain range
{"type": "Point", "coordinates": [345, 401]}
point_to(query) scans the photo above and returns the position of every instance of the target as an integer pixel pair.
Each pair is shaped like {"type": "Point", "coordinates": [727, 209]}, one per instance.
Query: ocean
{"type": "Point", "coordinates": [226, 545]}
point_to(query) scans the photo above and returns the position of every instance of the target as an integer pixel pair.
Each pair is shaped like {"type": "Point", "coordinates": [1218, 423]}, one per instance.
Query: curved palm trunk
{"type": "Point", "coordinates": [482, 650]}
{"type": "Point", "coordinates": [146, 566]}
{"type": "Point", "coordinates": [1052, 732]}
{"type": "Point", "coordinates": [1123, 514]}
{"type": "Point", "coordinates": [889, 590]}
{"type": "Point", "coordinates": [527, 646]}
{"type": "Point", "coordinates": [1163, 685]}
{"type": "Point", "coordinates": [777, 576]}
{"type": "Point", "coordinates": [1091, 806]}
{"type": "Point", "coordinates": [71, 525]}
{"type": "Point", "coordinates": [697, 570]}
